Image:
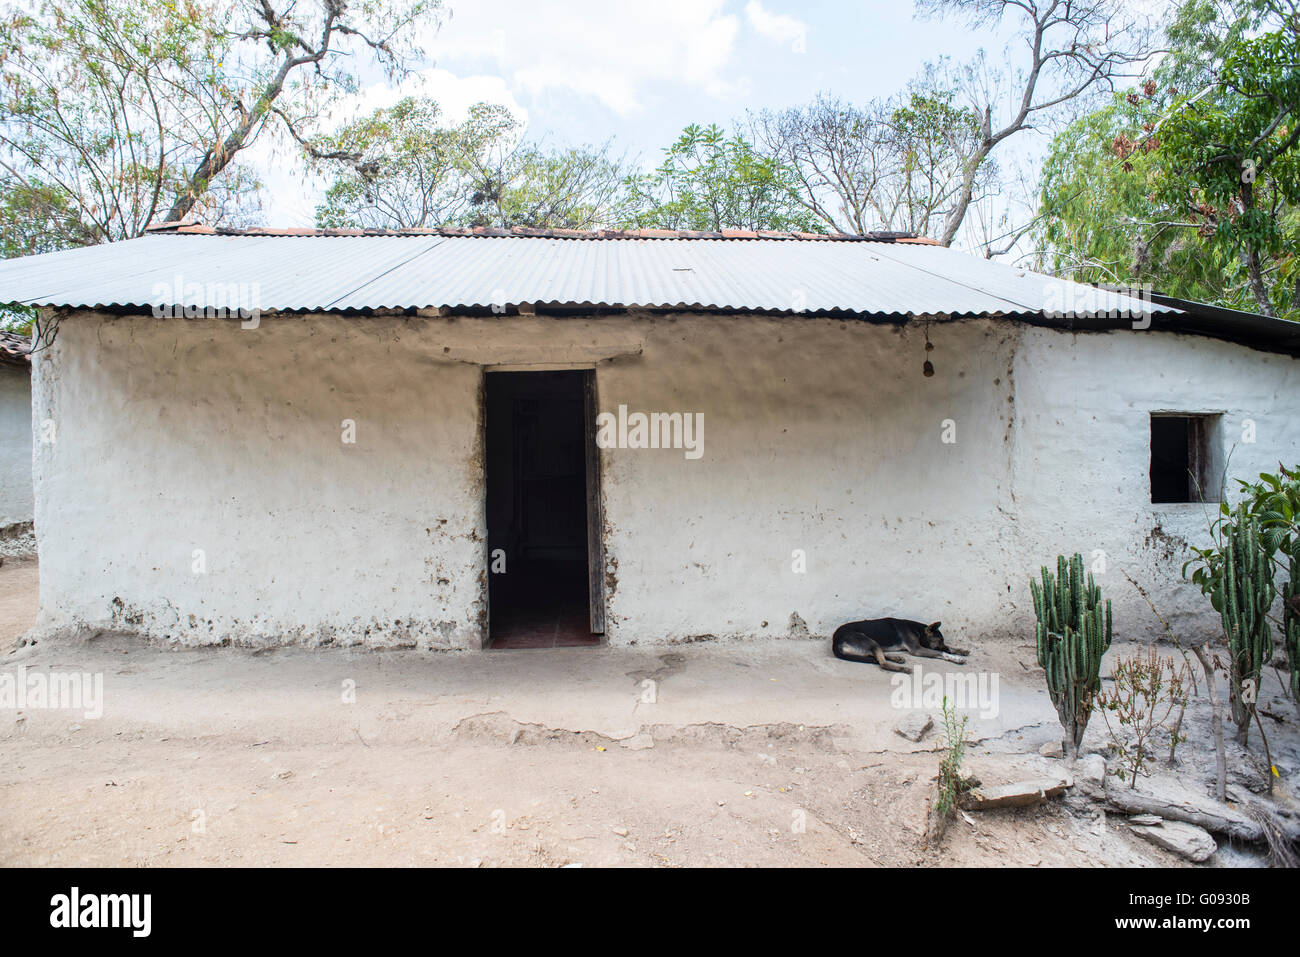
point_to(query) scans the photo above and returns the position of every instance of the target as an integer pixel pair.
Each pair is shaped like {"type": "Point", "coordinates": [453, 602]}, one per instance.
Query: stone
{"type": "Point", "coordinates": [1019, 794]}
{"type": "Point", "coordinates": [1052, 749]}
{"type": "Point", "coordinates": [914, 725]}
{"type": "Point", "coordinates": [1185, 840]}
{"type": "Point", "coordinates": [638, 742]}
{"type": "Point", "coordinates": [1173, 801]}
{"type": "Point", "coordinates": [1146, 820]}
{"type": "Point", "coordinates": [1090, 773]}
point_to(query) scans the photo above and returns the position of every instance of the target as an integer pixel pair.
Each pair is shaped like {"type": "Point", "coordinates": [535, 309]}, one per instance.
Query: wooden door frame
{"type": "Point", "coordinates": [595, 509]}
{"type": "Point", "coordinates": [595, 512]}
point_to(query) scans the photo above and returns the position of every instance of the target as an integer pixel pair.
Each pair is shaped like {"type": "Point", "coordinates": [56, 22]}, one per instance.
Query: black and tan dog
{"type": "Point", "coordinates": [873, 640]}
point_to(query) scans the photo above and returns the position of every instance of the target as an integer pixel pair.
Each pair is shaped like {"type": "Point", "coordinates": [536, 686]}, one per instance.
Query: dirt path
{"type": "Point", "coordinates": [19, 588]}
{"type": "Point", "coordinates": [766, 754]}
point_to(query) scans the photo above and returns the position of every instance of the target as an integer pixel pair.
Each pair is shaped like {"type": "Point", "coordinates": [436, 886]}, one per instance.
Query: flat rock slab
{"type": "Point", "coordinates": [914, 725]}
{"type": "Point", "coordinates": [1185, 840]}
{"type": "Point", "coordinates": [1146, 820]}
{"type": "Point", "coordinates": [1174, 802]}
{"type": "Point", "coordinates": [1019, 794]}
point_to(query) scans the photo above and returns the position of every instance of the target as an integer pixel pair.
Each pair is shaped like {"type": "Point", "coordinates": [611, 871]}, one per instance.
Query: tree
{"type": "Point", "coordinates": [1075, 48]}
{"type": "Point", "coordinates": [533, 185]}
{"type": "Point", "coordinates": [1232, 159]}
{"type": "Point", "coordinates": [118, 114]}
{"type": "Point", "coordinates": [892, 165]}
{"type": "Point", "coordinates": [709, 181]}
{"type": "Point", "coordinates": [1149, 187]}
{"type": "Point", "coordinates": [402, 167]}
{"type": "Point", "coordinates": [1101, 216]}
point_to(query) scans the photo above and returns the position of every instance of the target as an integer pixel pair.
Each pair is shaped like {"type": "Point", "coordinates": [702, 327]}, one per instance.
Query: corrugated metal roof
{"type": "Point", "coordinates": [459, 269]}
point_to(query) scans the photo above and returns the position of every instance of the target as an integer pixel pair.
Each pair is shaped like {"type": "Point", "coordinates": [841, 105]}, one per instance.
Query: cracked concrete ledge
{"type": "Point", "coordinates": [771, 692]}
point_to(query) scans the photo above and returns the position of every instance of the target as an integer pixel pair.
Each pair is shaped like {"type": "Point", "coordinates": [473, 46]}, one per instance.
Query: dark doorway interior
{"type": "Point", "coordinates": [537, 510]}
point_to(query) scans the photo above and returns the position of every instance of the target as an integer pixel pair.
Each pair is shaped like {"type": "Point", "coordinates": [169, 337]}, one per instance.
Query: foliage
{"type": "Point", "coordinates": [1075, 52]}
{"type": "Point", "coordinates": [1190, 181]}
{"type": "Point", "coordinates": [952, 743]}
{"type": "Point", "coordinates": [1274, 503]}
{"type": "Point", "coordinates": [710, 181]}
{"type": "Point", "coordinates": [1146, 690]}
{"type": "Point", "coordinates": [404, 168]}
{"type": "Point", "coordinates": [1102, 220]}
{"type": "Point", "coordinates": [891, 165]}
{"type": "Point", "coordinates": [1291, 625]}
{"type": "Point", "coordinates": [117, 114]}
{"type": "Point", "coordinates": [558, 188]}
{"type": "Point", "coordinates": [1271, 508]}
{"type": "Point", "coordinates": [1073, 633]}
{"type": "Point", "coordinates": [1232, 161]}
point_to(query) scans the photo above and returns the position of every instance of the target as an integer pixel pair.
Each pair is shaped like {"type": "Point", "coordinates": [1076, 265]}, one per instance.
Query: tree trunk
{"type": "Point", "coordinates": [1216, 724]}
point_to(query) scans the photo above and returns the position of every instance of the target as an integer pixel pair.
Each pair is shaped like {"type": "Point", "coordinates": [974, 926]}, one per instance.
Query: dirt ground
{"type": "Point", "coordinates": [18, 592]}
{"type": "Point", "coordinates": [764, 754]}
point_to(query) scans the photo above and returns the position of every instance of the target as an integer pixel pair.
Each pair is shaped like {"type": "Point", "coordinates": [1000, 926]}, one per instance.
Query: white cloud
{"type": "Point", "coordinates": [611, 52]}
{"type": "Point", "coordinates": [777, 26]}
{"type": "Point", "coordinates": [455, 94]}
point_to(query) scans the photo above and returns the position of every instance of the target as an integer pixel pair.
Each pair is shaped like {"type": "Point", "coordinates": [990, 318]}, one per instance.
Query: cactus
{"type": "Point", "coordinates": [1291, 620]}
{"type": "Point", "coordinates": [1243, 596]}
{"type": "Point", "coordinates": [1073, 633]}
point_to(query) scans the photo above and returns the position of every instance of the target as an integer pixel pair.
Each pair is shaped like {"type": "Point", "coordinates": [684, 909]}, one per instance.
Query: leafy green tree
{"type": "Point", "coordinates": [403, 167]}
{"type": "Point", "coordinates": [582, 187]}
{"type": "Point", "coordinates": [1189, 182]}
{"type": "Point", "coordinates": [118, 114]}
{"type": "Point", "coordinates": [1231, 160]}
{"type": "Point", "coordinates": [709, 181]}
{"type": "Point", "coordinates": [1102, 219]}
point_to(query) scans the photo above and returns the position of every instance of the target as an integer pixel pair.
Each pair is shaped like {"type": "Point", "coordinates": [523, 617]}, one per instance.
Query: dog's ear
{"type": "Point", "coordinates": [934, 628]}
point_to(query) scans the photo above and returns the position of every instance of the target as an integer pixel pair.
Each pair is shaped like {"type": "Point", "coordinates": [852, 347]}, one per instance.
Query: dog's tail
{"type": "Point", "coordinates": [854, 647]}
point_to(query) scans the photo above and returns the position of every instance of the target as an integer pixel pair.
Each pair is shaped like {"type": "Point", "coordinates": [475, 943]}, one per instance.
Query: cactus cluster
{"type": "Point", "coordinates": [1243, 596]}
{"type": "Point", "coordinates": [1073, 633]}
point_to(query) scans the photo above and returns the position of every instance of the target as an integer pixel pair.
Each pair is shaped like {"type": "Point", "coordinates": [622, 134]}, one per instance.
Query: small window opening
{"type": "Point", "coordinates": [1186, 458]}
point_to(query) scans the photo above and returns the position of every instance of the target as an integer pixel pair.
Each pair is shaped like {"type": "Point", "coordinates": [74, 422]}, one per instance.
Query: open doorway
{"type": "Point", "coordinates": [543, 540]}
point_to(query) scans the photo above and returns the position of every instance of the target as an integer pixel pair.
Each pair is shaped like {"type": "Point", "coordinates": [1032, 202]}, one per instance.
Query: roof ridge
{"type": "Point", "coordinates": [528, 232]}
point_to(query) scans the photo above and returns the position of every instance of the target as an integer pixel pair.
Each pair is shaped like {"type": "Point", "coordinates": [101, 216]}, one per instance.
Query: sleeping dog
{"type": "Point", "coordinates": [868, 641]}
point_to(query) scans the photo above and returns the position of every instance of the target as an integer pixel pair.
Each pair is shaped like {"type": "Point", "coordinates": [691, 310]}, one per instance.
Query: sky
{"type": "Point", "coordinates": [636, 73]}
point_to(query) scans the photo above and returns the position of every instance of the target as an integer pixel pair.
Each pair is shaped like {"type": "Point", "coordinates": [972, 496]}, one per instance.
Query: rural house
{"type": "Point", "coordinates": [455, 438]}
{"type": "Point", "coordinates": [15, 445]}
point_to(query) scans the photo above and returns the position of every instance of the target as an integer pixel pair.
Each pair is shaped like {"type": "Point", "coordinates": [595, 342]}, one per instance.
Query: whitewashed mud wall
{"type": "Point", "coordinates": [824, 438]}
{"type": "Point", "coordinates": [200, 489]}
{"type": "Point", "coordinates": [16, 496]}
{"type": "Point", "coordinates": [1082, 455]}
{"type": "Point", "coordinates": [823, 450]}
